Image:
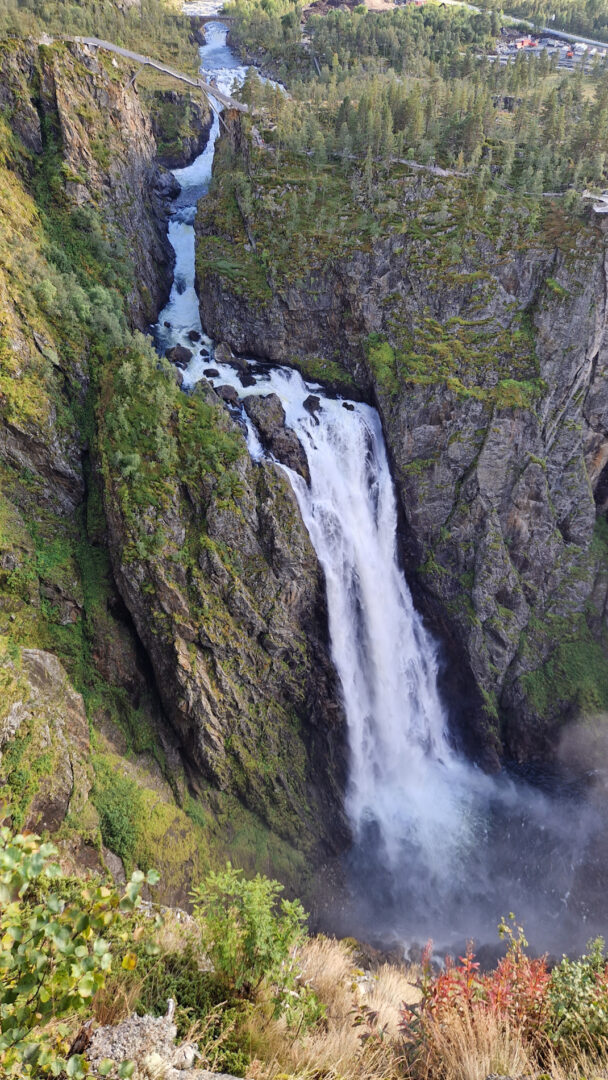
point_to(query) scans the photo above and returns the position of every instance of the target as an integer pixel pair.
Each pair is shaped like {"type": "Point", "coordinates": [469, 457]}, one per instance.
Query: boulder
{"type": "Point", "coordinates": [166, 186]}
{"type": "Point", "coordinates": [211, 373]}
{"type": "Point", "coordinates": [179, 355]}
{"type": "Point", "coordinates": [312, 404]}
{"type": "Point", "coordinates": [227, 394]}
{"type": "Point", "coordinates": [225, 355]}
{"type": "Point", "coordinates": [268, 415]}
{"type": "Point", "coordinates": [194, 335]}
{"type": "Point", "coordinates": [246, 379]}
{"type": "Point", "coordinates": [348, 405]}
{"type": "Point", "coordinates": [150, 1042]}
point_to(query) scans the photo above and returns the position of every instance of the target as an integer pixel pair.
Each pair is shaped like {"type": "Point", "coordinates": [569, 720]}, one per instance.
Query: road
{"type": "Point", "coordinates": [207, 88]}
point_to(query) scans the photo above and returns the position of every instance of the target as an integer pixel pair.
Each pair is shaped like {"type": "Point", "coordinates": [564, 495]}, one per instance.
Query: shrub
{"type": "Point", "coordinates": [578, 999]}
{"type": "Point", "coordinates": [200, 1000]}
{"type": "Point", "coordinates": [247, 931]}
{"type": "Point", "coordinates": [511, 1001]}
{"type": "Point", "coordinates": [117, 800]}
{"type": "Point", "coordinates": [53, 957]}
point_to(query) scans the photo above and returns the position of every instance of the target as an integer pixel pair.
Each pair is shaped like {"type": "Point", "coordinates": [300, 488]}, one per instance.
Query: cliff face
{"type": "Point", "coordinates": [224, 587]}
{"type": "Point", "coordinates": [186, 629]}
{"type": "Point", "coordinates": [485, 351]}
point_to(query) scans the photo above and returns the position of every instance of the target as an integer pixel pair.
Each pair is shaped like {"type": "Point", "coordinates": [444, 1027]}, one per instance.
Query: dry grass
{"type": "Point", "coordinates": [334, 1050]}
{"type": "Point", "coordinates": [116, 1000]}
{"type": "Point", "coordinates": [458, 1048]}
{"type": "Point", "coordinates": [387, 991]}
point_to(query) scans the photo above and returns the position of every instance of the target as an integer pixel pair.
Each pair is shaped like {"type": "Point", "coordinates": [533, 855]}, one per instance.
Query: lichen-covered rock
{"type": "Point", "coordinates": [149, 1042]}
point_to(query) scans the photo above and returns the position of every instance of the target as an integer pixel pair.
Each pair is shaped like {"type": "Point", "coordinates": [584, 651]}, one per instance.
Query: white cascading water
{"type": "Point", "coordinates": [460, 847]}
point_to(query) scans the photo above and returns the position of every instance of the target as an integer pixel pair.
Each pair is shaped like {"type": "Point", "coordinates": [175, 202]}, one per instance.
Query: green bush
{"type": "Point", "coordinates": [247, 931]}
{"type": "Point", "coordinates": [117, 800]}
{"type": "Point", "coordinates": [53, 957]}
{"type": "Point", "coordinates": [578, 998]}
{"type": "Point", "coordinates": [199, 997]}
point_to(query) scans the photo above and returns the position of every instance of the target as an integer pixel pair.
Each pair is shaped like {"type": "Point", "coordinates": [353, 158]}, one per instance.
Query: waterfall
{"type": "Point", "coordinates": [439, 847]}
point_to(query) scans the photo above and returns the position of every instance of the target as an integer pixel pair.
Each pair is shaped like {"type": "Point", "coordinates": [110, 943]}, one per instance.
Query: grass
{"type": "Point", "coordinates": [334, 1048]}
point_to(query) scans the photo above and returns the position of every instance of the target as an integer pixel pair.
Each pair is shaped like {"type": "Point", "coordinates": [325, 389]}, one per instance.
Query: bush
{"type": "Point", "coordinates": [247, 932]}
{"type": "Point", "coordinates": [53, 957]}
{"type": "Point", "coordinates": [117, 800]}
{"type": "Point", "coordinates": [578, 998]}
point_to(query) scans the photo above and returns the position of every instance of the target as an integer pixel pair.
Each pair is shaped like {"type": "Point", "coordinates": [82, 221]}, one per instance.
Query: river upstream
{"type": "Point", "coordinates": [440, 849]}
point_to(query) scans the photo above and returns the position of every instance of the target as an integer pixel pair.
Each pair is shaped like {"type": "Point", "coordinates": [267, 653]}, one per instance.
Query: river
{"type": "Point", "coordinates": [440, 849]}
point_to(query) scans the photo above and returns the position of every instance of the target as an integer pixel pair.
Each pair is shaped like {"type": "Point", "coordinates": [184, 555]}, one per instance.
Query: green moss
{"type": "Point", "coordinates": [382, 362]}
{"type": "Point", "coordinates": [575, 675]}
{"type": "Point", "coordinates": [119, 803]}
{"type": "Point", "coordinates": [320, 369]}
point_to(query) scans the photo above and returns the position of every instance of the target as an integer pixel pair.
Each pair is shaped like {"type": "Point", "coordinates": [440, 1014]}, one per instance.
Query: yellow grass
{"type": "Point", "coordinates": [459, 1049]}
{"type": "Point", "coordinates": [334, 1049]}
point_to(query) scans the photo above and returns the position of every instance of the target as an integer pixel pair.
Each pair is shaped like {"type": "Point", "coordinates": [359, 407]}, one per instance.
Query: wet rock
{"type": "Point", "coordinates": [166, 186]}
{"type": "Point", "coordinates": [246, 379]}
{"type": "Point", "coordinates": [312, 404]}
{"type": "Point", "coordinates": [194, 335]}
{"type": "Point", "coordinates": [227, 394]}
{"type": "Point", "coordinates": [348, 405]}
{"type": "Point", "coordinates": [268, 415]}
{"type": "Point", "coordinates": [211, 373]}
{"type": "Point", "coordinates": [179, 355]}
{"type": "Point", "coordinates": [224, 355]}
{"type": "Point", "coordinates": [167, 325]}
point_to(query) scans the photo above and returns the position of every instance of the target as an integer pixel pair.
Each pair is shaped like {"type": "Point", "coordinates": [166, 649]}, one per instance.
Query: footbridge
{"type": "Point", "coordinates": [147, 61]}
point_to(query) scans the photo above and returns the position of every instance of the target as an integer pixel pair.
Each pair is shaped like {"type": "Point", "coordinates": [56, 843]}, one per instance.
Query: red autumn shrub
{"type": "Point", "coordinates": [515, 992]}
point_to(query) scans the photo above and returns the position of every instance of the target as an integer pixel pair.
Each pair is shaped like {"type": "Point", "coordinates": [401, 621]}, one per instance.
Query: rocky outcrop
{"type": "Point", "coordinates": [227, 596]}
{"type": "Point", "coordinates": [181, 121]}
{"type": "Point", "coordinates": [44, 741]}
{"type": "Point", "coordinates": [149, 1042]}
{"type": "Point", "coordinates": [268, 415]}
{"type": "Point", "coordinates": [489, 371]}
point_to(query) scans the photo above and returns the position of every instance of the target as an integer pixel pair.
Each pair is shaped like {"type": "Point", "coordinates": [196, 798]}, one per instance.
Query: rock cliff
{"type": "Point", "coordinates": [186, 631]}
{"type": "Point", "coordinates": [485, 352]}
{"type": "Point", "coordinates": [226, 593]}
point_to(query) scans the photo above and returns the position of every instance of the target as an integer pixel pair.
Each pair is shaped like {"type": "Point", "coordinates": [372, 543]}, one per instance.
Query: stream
{"type": "Point", "coordinates": [440, 849]}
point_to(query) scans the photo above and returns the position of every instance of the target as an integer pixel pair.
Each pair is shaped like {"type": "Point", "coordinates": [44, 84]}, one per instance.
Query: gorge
{"type": "Point", "coordinates": [329, 598]}
{"type": "Point", "coordinates": [445, 845]}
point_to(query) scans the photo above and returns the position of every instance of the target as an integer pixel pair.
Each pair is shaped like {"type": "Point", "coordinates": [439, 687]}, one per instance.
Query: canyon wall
{"type": "Point", "coordinates": [164, 705]}
{"type": "Point", "coordinates": [485, 351]}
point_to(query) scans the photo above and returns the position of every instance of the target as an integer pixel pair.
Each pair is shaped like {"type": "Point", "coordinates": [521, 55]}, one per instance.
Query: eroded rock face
{"type": "Point", "coordinates": [490, 374]}
{"type": "Point", "coordinates": [181, 122]}
{"type": "Point", "coordinates": [268, 415]}
{"type": "Point", "coordinates": [44, 736]}
{"type": "Point", "coordinates": [231, 611]}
